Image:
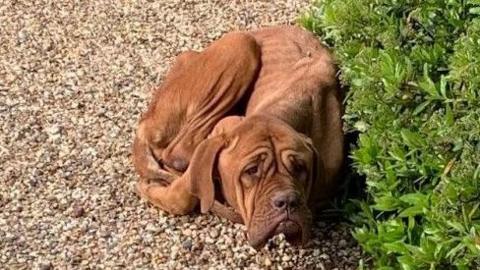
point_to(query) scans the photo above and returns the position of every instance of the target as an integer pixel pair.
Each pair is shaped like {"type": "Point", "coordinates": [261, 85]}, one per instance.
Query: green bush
{"type": "Point", "coordinates": [413, 72]}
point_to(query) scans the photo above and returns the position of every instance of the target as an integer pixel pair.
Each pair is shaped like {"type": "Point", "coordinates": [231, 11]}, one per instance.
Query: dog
{"type": "Point", "coordinates": [252, 122]}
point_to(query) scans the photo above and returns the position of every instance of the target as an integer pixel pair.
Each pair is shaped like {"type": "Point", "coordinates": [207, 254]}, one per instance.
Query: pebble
{"type": "Point", "coordinates": [286, 258]}
{"type": "Point", "coordinates": [324, 256]}
{"type": "Point", "coordinates": [187, 232]}
{"type": "Point", "coordinates": [45, 266]}
{"type": "Point", "coordinates": [78, 211]}
{"type": "Point", "coordinates": [53, 129]}
{"type": "Point", "coordinates": [187, 244]}
{"type": "Point", "coordinates": [213, 233]}
{"type": "Point", "coordinates": [151, 228]}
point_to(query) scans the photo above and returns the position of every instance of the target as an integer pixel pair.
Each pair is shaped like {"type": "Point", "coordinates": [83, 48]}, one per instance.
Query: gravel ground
{"type": "Point", "coordinates": [74, 78]}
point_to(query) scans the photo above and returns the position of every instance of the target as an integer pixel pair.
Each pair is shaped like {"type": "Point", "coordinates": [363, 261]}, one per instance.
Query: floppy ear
{"type": "Point", "coordinates": [201, 169]}
{"type": "Point", "coordinates": [225, 125]}
{"type": "Point", "coordinates": [317, 166]}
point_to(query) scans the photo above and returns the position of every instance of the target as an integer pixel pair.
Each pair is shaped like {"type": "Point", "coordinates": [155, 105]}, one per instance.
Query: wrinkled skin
{"type": "Point", "coordinates": [269, 185]}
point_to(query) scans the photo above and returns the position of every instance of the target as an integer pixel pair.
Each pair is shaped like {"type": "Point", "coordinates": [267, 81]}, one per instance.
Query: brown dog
{"type": "Point", "coordinates": [253, 121]}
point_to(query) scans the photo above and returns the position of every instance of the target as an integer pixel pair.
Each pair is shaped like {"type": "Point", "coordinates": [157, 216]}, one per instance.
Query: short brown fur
{"type": "Point", "coordinates": [273, 164]}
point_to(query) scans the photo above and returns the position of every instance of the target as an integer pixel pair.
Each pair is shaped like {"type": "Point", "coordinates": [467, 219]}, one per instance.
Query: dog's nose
{"type": "Point", "coordinates": [286, 200]}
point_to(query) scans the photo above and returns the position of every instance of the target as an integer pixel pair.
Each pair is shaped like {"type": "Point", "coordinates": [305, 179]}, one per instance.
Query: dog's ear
{"type": "Point", "coordinates": [226, 125]}
{"type": "Point", "coordinates": [201, 170]}
{"type": "Point", "coordinates": [317, 165]}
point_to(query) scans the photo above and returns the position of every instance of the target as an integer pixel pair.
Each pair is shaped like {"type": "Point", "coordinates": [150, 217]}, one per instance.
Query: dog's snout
{"type": "Point", "coordinates": [285, 200]}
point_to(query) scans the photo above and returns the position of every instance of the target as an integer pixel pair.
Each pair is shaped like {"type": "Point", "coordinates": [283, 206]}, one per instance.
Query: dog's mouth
{"type": "Point", "coordinates": [293, 231]}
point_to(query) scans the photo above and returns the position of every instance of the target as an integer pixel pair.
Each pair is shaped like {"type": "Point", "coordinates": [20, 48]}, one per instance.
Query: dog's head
{"type": "Point", "coordinates": [265, 170]}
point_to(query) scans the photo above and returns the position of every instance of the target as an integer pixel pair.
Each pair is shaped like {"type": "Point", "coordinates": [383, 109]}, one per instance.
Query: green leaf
{"type": "Point", "coordinates": [420, 108]}
{"type": "Point", "coordinates": [398, 153]}
{"type": "Point", "coordinates": [475, 10]}
{"type": "Point", "coordinates": [411, 211]}
{"type": "Point", "coordinates": [386, 203]}
{"type": "Point", "coordinates": [397, 247]}
{"type": "Point", "coordinates": [473, 211]}
{"type": "Point", "coordinates": [411, 138]}
{"type": "Point", "coordinates": [406, 262]}
{"type": "Point", "coordinates": [443, 87]}
{"type": "Point", "coordinates": [449, 119]}
{"type": "Point", "coordinates": [426, 84]}
{"type": "Point", "coordinates": [455, 250]}
{"type": "Point", "coordinates": [457, 226]}
{"type": "Point", "coordinates": [415, 199]}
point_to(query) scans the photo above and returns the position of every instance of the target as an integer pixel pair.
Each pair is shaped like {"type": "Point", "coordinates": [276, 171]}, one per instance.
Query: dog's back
{"type": "Point", "coordinates": [296, 68]}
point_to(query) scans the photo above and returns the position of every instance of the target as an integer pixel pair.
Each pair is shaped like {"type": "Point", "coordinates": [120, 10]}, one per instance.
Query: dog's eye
{"type": "Point", "coordinates": [298, 168]}
{"type": "Point", "coordinates": [250, 175]}
{"type": "Point", "coordinates": [252, 170]}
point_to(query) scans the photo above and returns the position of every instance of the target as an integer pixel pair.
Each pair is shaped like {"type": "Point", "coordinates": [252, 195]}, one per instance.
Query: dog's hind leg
{"type": "Point", "coordinates": [173, 197]}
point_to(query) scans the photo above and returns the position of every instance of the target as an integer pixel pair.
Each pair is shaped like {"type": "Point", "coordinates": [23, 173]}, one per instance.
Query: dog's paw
{"type": "Point", "coordinates": [144, 185]}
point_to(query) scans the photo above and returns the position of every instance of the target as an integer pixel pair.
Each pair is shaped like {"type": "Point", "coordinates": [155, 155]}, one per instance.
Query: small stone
{"type": "Point", "coordinates": [271, 245]}
{"type": "Point", "coordinates": [324, 256]}
{"type": "Point", "coordinates": [53, 130]}
{"type": "Point", "coordinates": [213, 233]}
{"type": "Point", "coordinates": [78, 211]}
{"type": "Point", "coordinates": [187, 244]}
{"type": "Point", "coordinates": [209, 240]}
{"type": "Point", "coordinates": [47, 45]}
{"type": "Point", "coordinates": [33, 182]}
{"type": "Point", "coordinates": [22, 36]}
{"type": "Point", "coordinates": [198, 246]}
{"type": "Point", "coordinates": [342, 243]}
{"type": "Point", "coordinates": [267, 262]}
{"type": "Point", "coordinates": [252, 251]}
{"type": "Point", "coordinates": [286, 258]}
{"type": "Point", "coordinates": [151, 228]}
{"type": "Point", "coordinates": [45, 266]}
